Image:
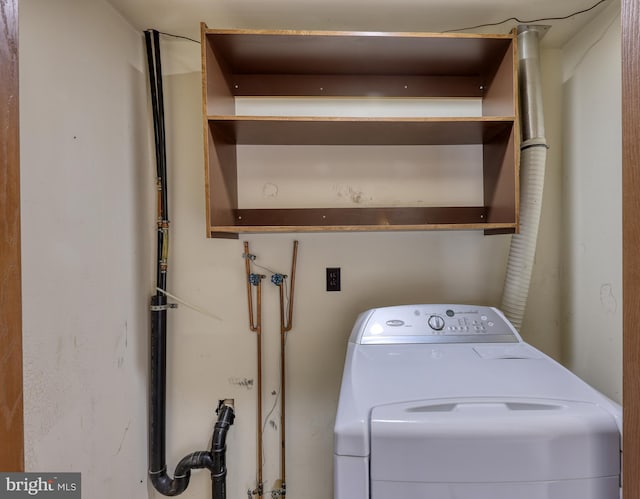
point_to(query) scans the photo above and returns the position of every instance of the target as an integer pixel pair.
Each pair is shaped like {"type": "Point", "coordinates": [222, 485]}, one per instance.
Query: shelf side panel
{"type": "Point", "coordinates": [501, 178]}
{"type": "Point", "coordinates": [218, 98]}
{"type": "Point", "coordinates": [501, 86]}
{"type": "Point", "coordinates": [221, 187]}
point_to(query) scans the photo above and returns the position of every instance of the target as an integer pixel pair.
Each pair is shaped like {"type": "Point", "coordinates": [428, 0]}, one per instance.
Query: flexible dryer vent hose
{"type": "Point", "coordinates": [523, 245]}
{"type": "Point", "coordinates": [532, 168]}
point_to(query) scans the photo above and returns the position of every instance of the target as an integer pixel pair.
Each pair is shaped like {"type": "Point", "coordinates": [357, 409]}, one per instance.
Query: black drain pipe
{"type": "Point", "coordinates": [213, 460]}
{"type": "Point", "coordinates": [226, 416]}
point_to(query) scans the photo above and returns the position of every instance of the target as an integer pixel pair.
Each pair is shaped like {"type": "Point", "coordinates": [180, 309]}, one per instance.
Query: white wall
{"type": "Point", "coordinates": [592, 204]}
{"type": "Point", "coordinates": [86, 177]}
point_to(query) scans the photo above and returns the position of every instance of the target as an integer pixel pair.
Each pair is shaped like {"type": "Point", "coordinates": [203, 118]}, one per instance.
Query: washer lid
{"type": "Point", "coordinates": [493, 440]}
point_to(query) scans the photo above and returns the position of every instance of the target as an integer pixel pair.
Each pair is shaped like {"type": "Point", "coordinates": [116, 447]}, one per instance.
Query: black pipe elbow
{"type": "Point", "coordinates": [173, 487]}
{"type": "Point", "coordinates": [167, 486]}
{"type": "Point", "coordinates": [214, 461]}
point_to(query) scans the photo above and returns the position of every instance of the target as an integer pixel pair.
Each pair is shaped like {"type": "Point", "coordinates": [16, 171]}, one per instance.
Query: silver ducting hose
{"type": "Point", "coordinates": [532, 168]}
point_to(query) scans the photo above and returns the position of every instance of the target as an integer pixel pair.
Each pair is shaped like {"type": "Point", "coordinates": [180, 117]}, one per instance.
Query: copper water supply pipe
{"type": "Point", "coordinates": [293, 284]}
{"type": "Point", "coordinates": [259, 383]}
{"type": "Point", "coordinates": [285, 326]}
{"type": "Point", "coordinates": [256, 326]}
{"type": "Point", "coordinates": [247, 267]}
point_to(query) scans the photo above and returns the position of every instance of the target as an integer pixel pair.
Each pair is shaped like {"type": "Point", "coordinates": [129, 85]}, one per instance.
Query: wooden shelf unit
{"type": "Point", "coordinates": [282, 63]}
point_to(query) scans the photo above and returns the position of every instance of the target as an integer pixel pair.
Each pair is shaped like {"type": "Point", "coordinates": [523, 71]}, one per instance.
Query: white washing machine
{"type": "Point", "coordinates": [448, 402]}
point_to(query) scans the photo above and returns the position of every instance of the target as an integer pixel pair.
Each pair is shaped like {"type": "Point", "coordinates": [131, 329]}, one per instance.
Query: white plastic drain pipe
{"type": "Point", "coordinates": [532, 167]}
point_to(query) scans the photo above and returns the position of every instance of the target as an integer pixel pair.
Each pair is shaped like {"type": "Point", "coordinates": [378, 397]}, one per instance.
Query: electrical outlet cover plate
{"type": "Point", "coordinates": [333, 278]}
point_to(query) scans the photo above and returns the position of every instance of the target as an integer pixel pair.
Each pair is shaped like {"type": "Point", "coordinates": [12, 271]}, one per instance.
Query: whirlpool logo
{"type": "Point", "coordinates": [47, 485]}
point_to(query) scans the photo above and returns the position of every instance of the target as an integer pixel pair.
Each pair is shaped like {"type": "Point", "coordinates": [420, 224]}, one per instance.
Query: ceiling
{"type": "Point", "coordinates": [182, 17]}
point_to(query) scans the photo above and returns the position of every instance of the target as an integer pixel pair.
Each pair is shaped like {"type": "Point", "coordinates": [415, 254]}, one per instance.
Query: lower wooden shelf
{"type": "Point", "coordinates": [362, 220]}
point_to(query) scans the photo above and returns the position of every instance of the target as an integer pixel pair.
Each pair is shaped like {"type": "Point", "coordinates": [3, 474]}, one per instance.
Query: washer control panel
{"type": "Point", "coordinates": [433, 324]}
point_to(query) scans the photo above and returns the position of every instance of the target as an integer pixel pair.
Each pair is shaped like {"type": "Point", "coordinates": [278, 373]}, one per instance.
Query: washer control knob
{"type": "Point", "coordinates": [436, 322]}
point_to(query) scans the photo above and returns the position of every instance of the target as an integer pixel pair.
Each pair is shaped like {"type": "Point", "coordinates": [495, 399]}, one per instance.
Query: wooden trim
{"type": "Point", "coordinates": [358, 34]}
{"type": "Point", "coordinates": [631, 246]}
{"type": "Point", "coordinates": [232, 232]}
{"type": "Point", "coordinates": [11, 405]}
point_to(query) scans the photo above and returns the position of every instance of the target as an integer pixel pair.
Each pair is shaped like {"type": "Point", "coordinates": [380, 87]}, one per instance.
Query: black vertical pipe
{"type": "Point", "coordinates": [213, 460]}
{"type": "Point", "coordinates": [157, 386]}
{"type": "Point", "coordinates": [154, 100]}
{"type": "Point", "coordinates": [161, 127]}
{"type": "Point", "coordinates": [157, 112]}
{"type": "Point", "coordinates": [226, 416]}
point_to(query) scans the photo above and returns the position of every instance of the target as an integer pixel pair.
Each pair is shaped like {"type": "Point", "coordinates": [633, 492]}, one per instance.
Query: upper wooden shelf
{"type": "Point", "coordinates": [281, 52]}
{"type": "Point", "coordinates": [338, 63]}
